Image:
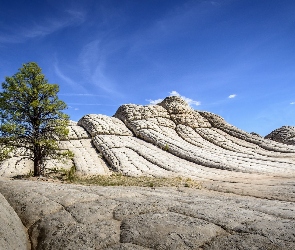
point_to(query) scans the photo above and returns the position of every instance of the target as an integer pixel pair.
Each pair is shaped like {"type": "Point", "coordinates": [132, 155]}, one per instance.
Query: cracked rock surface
{"type": "Point", "coordinates": [13, 234]}
{"type": "Point", "coordinates": [66, 216]}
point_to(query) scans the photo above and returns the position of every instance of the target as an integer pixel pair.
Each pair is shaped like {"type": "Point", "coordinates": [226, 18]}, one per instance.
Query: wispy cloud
{"type": "Point", "coordinates": [154, 102]}
{"type": "Point", "coordinates": [77, 15]}
{"type": "Point", "coordinates": [163, 29]}
{"type": "Point", "coordinates": [232, 96]}
{"type": "Point", "coordinates": [42, 28]}
{"type": "Point", "coordinates": [71, 107]}
{"type": "Point", "coordinates": [54, 24]}
{"type": "Point", "coordinates": [93, 58]}
{"type": "Point", "coordinates": [189, 101]}
{"type": "Point", "coordinates": [66, 79]}
{"type": "Point", "coordinates": [292, 103]}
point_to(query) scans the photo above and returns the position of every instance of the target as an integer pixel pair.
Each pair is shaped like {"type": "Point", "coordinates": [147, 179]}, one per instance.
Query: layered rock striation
{"type": "Point", "coordinates": [168, 139]}
{"type": "Point", "coordinates": [246, 200]}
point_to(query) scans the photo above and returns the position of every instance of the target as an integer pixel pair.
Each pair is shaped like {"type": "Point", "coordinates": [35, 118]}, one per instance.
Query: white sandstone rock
{"type": "Point", "coordinates": [102, 124]}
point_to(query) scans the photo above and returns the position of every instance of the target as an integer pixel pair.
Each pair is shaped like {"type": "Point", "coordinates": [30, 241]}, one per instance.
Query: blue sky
{"type": "Point", "coordinates": [235, 58]}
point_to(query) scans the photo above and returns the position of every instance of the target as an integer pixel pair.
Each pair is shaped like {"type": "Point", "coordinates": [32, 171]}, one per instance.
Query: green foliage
{"type": "Point", "coordinates": [62, 174]}
{"type": "Point", "coordinates": [71, 174]}
{"type": "Point", "coordinates": [166, 147]}
{"type": "Point", "coordinates": [4, 152]}
{"type": "Point", "coordinates": [31, 115]}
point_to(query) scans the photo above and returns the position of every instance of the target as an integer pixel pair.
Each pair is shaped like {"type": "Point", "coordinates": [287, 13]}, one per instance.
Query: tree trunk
{"type": "Point", "coordinates": [37, 160]}
{"type": "Point", "coordinates": [37, 171]}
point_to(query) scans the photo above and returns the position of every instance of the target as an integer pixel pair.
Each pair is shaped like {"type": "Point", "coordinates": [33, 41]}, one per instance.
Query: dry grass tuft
{"type": "Point", "coordinates": [116, 179]}
{"type": "Point", "coordinates": [141, 181]}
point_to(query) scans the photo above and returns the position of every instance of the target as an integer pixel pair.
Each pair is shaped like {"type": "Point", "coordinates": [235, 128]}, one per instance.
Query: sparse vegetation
{"type": "Point", "coordinates": [116, 179]}
{"type": "Point", "coordinates": [166, 148]}
{"type": "Point", "coordinates": [68, 175]}
{"type": "Point", "coordinates": [141, 181]}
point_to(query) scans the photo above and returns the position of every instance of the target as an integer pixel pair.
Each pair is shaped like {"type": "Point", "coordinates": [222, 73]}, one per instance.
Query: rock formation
{"type": "Point", "coordinates": [60, 216]}
{"type": "Point", "coordinates": [168, 139]}
{"type": "Point", "coordinates": [246, 201]}
{"type": "Point", "coordinates": [284, 134]}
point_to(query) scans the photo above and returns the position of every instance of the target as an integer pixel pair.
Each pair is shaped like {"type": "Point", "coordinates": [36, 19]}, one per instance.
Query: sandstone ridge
{"type": "Point", "coordinates": [168, 139]}
{"type": "Point", "coordinates": [246, 200]}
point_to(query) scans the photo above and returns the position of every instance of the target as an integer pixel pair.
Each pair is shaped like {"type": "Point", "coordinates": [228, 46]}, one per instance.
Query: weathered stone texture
{"type": "Point", "coordinates": [284, 134]}
{"type": "Point", "coordinates": [167, 139]}
{"type": "Point", "coordinates": [199, 137]}
{"type": "Point", "coordinates": [103, 125]}
{"type": "Point", "coordinates": [16, 165]}
{"type": "Point", "coordinates": [13, 234]}
{"type": "Point", "coordinates": [181, 113]}
{"type": "Point", "coordinates": [218, 122]}
{"type": "Point", "coordinates": [60, 216]}
{"type": "Point", "coordinates": [87, 160]}
{"type": "Point", "coordinates": [247, 200]}
{"type": "Point", "coordinates": [77, 132]}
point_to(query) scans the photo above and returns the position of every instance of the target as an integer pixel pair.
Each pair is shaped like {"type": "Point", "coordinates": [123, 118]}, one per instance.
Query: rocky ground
{"type": "Point", "coordinates": [66, 216]}
{"type": "Point", "coordinates": [245, 199]}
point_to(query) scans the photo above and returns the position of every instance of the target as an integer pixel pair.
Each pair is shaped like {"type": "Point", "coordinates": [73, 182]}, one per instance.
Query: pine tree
{"type": "Point", "coordinates": [31, 116]}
